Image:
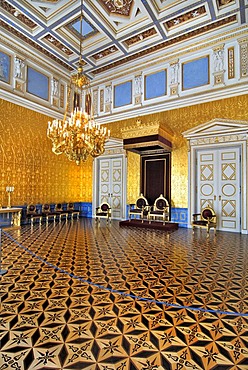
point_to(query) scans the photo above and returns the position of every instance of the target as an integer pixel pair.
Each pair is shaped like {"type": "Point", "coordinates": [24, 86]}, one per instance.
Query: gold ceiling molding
{"type": "Point", "coordinates": [140, 129]}
{"type": "Point", "coordinates": [167, 43]}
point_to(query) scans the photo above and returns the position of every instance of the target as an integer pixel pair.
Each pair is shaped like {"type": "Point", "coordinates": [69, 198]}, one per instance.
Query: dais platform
{"type": "Point", "coordinates": [167, 226]}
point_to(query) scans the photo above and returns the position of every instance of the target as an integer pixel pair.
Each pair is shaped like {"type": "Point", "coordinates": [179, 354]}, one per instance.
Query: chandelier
{"type": "Point", "coordinates": [78, 135]}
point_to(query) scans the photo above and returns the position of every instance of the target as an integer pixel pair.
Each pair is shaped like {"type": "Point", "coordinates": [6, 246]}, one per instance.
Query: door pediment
{"type": "Point", "coordinates": [217, 127]}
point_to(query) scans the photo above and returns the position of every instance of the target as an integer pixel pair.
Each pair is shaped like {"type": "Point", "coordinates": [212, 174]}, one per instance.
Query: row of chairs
{"type": "Point", "coordinates": [57, 213]}
{"type": "Point", "coordinates": [141, 208]}
{"type": "Point", "coordinates": [159, 211]}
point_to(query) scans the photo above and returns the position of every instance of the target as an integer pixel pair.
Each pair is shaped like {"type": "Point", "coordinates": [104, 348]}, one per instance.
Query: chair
{"type": "Point", "coordinates": [206, 219]}
{"type": "Point", "coordinates": [60, 211]}
{"type": "Point", "coordinates": [140, 208]}
{"type": "Point", "coordinates": [71, 211]}
{"type": "Point", "coordinates": [160, 210]}
{"type": "Point", "coordinates": [103, 211]}
{"type": "Point", "coordinates": [47, 213]}
{"type": "Point", "coordinates": [32, 214]}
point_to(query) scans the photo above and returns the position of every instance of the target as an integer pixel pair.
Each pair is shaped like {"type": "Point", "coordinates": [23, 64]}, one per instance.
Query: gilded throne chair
{"type": "Point", "coordinates": [206, 219]}
{"type": "Point", "coordinates": [160, 210]}
{"type": "Point", "coordinates": [103, 211]}
{"type": "Point", "coordinates": [139, 208]}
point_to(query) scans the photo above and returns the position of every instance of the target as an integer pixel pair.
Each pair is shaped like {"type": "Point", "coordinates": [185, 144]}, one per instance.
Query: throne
{"type": "Point", "coordinates": [139, 208]}
{"type": "Point", "coordinates": [103, 211]}
{"type": "Point", "coordinates": [160, 210]}
{"type": "Point", "coordinates": [206, 219]}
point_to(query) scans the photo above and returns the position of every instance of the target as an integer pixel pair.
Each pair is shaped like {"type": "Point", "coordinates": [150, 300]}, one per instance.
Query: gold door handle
{"type": "Point", "coordinates": [219, 197]}
{"type": "Point", "coordinates": [214, 197]}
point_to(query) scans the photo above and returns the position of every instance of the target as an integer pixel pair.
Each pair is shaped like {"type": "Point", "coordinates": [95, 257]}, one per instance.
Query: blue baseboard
{"type": "Point", "coordinates": [180, 215]}
{"type": "Point", "coordinates": [85, 209]}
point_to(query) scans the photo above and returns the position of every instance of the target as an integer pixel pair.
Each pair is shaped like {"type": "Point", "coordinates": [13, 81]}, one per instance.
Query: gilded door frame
{"type": "Point", "coordinates": [216, 134]}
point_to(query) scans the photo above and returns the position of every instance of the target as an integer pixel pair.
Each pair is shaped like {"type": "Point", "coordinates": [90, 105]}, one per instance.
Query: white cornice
{"type": "Point", "coordinates": [174, 104]}
{"type": "Point", "coordinates": [134, 112]}
{"type": "Point", "coordinates": [19, 100]}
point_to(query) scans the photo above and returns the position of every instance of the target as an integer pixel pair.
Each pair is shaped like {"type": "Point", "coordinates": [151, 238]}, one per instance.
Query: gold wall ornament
{"type": "Point", "coordinates": [243, 46]}
{"type": "Point", "coordinates": [140, 128]}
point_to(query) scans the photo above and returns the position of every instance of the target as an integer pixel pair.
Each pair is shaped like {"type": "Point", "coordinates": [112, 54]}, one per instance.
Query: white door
{"type": "Point", "coordinates": [110, 185]}
{"type": "Point", "coordinates": [218, 185]}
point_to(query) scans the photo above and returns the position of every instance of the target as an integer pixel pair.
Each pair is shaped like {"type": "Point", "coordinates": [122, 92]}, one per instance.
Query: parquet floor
{"type": "Point", "coordinates": [81, 296]}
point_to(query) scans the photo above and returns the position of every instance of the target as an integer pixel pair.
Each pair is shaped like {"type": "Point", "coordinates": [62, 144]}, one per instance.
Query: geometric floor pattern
{"type": "Point", "coordinates": [80, 295]}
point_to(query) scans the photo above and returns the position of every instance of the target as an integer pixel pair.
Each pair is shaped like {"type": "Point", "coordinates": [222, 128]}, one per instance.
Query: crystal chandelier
{"type": "Point", "coordinates": [78, 136]}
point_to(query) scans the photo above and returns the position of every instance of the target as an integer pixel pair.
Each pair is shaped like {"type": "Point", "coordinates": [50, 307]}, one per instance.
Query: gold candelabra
{"type": "Point", "coordinates": [9, 190]}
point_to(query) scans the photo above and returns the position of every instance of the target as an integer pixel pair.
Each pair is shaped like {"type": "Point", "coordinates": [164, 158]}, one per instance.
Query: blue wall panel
{"type": "Point", "coordinates": [155, 85]}
{"type": "Point", "coordinates": [4, 67]}
{"type": "Point", "coordinates": [123, 94]}
{"type": "Point", "coordinates": [37, 84]}
{"type": "Point", "coordinates": [196, 73]}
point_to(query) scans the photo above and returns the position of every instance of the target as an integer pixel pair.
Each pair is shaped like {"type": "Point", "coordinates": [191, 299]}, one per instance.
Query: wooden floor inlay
{"type": "Point", "coordinates": [85, 295]}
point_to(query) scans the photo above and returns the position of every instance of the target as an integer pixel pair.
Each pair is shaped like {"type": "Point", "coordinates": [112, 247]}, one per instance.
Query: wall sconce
{"type": "Point", "coordinates": [9, 190]}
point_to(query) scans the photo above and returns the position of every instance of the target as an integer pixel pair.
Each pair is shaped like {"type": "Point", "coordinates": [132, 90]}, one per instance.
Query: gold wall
{"type": "Point", "coordinates": [178, 121]}
{"type": "Point", "coordinates": [39, 176]}
{"type": "Point", "coordinates": [28, 164]}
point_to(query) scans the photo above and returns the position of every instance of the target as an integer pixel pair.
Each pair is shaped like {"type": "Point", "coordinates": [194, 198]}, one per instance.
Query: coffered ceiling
{"type": "Point", "coordinates": [114, 31]}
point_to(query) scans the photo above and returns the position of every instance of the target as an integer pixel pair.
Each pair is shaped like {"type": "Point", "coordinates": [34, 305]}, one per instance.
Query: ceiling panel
{"type": "Point", "coordinates": [116, 31]}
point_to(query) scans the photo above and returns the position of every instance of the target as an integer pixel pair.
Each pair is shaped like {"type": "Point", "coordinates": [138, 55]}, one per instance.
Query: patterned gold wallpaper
{"type": "Point", "coordinates": [133, 177]}
{"type": "Point", "coordinates": [178, 121]}
{"type": "Point", "coordinates": [39, 176]}
{"type": "Point", "coordinates": [28, 164]}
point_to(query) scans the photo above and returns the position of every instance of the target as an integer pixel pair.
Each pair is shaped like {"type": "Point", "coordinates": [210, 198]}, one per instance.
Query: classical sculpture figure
{"type": "Point", "coordinates": [19, 65]}
{"type": "Point", "coordinates": [174, 73]}
{"type": "Point", "coordinates": [137, 85]}
{"type": "Point", "coordinates": [54, 87]}
{"type": "Point", "coordinates": [218, 60]}
{"type": "Point", "coordinates": [108, 93]}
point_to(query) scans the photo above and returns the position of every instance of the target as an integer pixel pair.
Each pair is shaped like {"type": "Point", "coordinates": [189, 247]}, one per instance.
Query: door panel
{"type": "Point", "coordinates": [116, 191]}
{"type": "Point", "coordinates": [218, 185]}
{"type": "Point", "coordinates": [104, 188]}
{"type": "Point", "coordinates": [111, 185]}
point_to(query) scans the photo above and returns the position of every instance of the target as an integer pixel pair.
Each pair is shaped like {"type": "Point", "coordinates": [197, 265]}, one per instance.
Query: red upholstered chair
{"type": "Point", "coordinates": [160, 210]}
{"type": "Point", "coordinates": [206, 219]}
{"type": "Point", "coordinates": [103, 211]}
{"type": "Point", "coordinates": [140, 208]}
